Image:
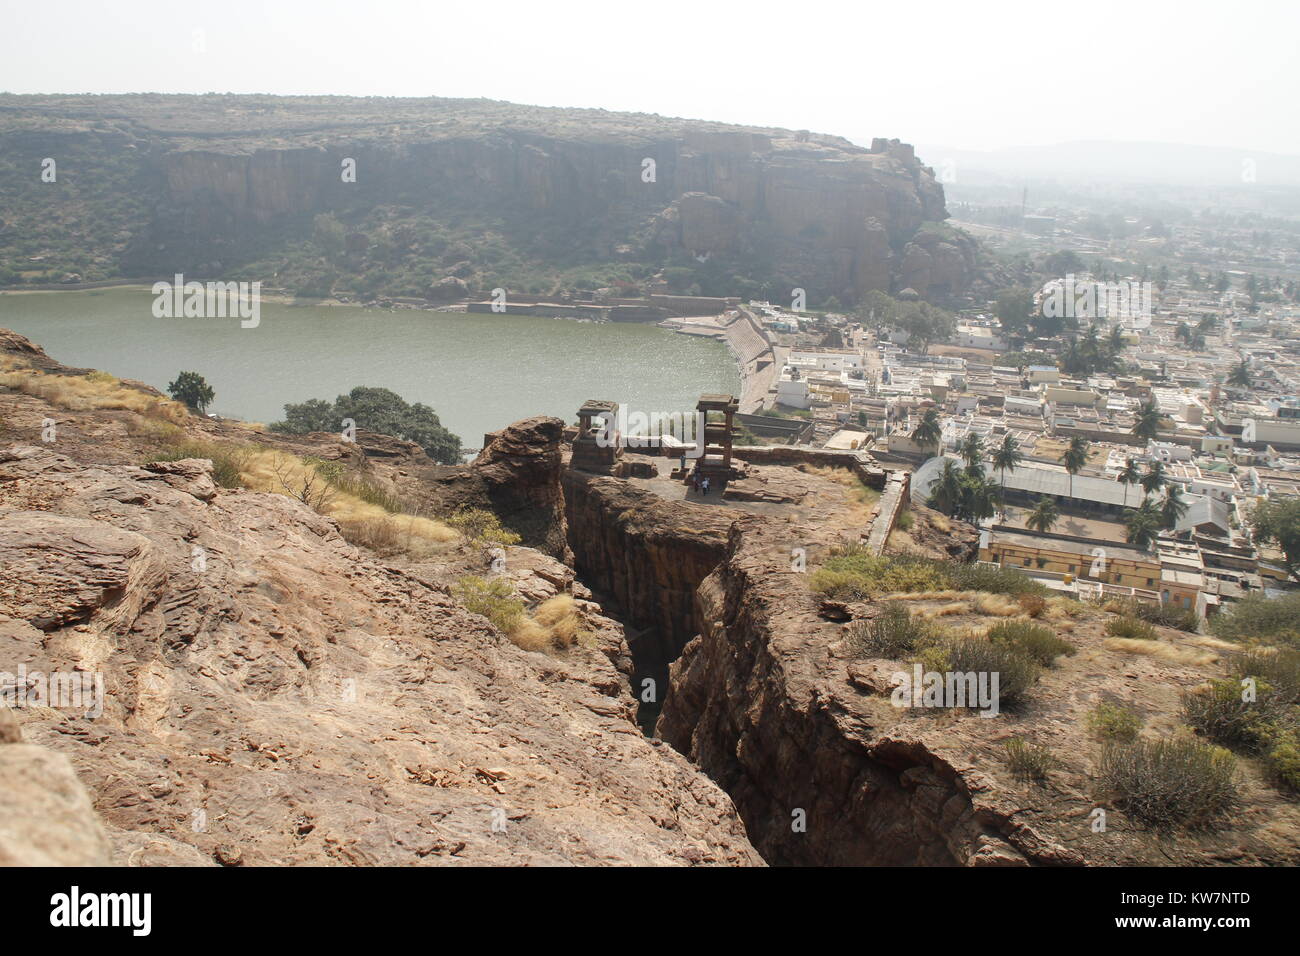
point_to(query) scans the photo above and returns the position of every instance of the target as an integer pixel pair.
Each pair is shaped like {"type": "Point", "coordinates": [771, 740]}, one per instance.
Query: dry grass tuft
{"type": "Point", "coordinates": [1163, 650]}
{"type": "Point", "coordinates": [97, 390]}
{"type": "Point", "coordinates": [997, 605]}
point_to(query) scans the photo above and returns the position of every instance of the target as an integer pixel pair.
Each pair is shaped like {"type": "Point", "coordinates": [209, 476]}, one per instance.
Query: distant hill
{"type": "Point", "coordinates": [478, 192]}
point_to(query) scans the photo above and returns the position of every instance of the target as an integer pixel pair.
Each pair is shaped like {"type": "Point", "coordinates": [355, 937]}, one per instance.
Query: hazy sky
{"type": "Point", "coordinates": [972, 75]}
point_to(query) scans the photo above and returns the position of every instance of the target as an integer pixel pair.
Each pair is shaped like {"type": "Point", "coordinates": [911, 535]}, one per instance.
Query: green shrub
{"type": "Point", "coordinates": [1257, 618]}
{"type": "Point", "coordinates": [481, 527]}
{"type": "Point", "coordinates": [1168, 783]}
{"type": "Point", "coordinates": [1282, 756]}
{"type": "Point", "coordinates": [1131, 628]}
{"type": "Point", "coordinates": [1279, 668]}
{"type": "Point", "coordinates": [905, 521]}
{"type": "Point", "coordinates": [228, 461]}
{"type": "Point", "coordinates": [494, 598]}
{"type": "Point", "coordinates": [1035, 640]}
{"type": "Point", "coordinates": [1166, 615]}
{"type": "Point", "coordinates": [894, 633]}
{"type": "Point", "coordinates": [1017, 671]}
{"type": "Point", "coordinates": [358, 485]}
{"type": "Point", "coordinates": [1029, 761]}
{"type": "Point", "coordinates": [991, 578]}
{"type": "Point", "coordinates": [1110, 722]}
{"type": "Point", "coordinates": [853, 573]}
{"type": "Point", "coordinates": [1221, 713]}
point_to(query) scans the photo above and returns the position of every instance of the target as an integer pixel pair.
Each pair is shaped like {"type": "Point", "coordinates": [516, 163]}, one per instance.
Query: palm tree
{"type": "Point", "coordinates": [1240, 375]}
{"type": "Point", "coordinates": [1075, 457]}
{"type": "Point", "coordinates": [946, 495]}
{"type": "Point", "coordinates": [978, 499]}
{"type": "Point", "coordinates": [1044, 515]}
{"type": "Point", "coordinates": [1146, 424]}
{"type": "Point", "coordinates": [1006, 458]}
{"type": "Point", "coordinates": [929, 432]}
{"type": "Point", "coordinates": [1142, 524]}
{"type": "Point", "coordinates": [1129, 476]}
{"type": "Point", "coordinates": [1173, 507]}
{"type": "Point", "coordinates": [972, 452]}
{"type": "Point", "coordinates": [1154, 479]}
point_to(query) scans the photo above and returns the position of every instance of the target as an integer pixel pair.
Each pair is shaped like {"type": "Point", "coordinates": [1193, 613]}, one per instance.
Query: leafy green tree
{"type": "Point", "coordinates": [328, 234]}
{"type": "Point", "coordinates": [193, 390]}
{"type": "Point", "coordinates": [1043, 516]}
{"type": "Point", "coordinates": [924, 323]}
{"type": "Point", "coordinates": [377, 410]}
{"type": "Point", "coordinates": [1277, 521]}
{"type": "Point", "coordinates": [1240, 375]}
{"type": "Point", "coordinates": [1015, 310]}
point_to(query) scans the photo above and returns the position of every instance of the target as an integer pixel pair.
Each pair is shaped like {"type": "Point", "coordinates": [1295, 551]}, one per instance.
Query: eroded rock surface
{"type": "Point", "coordinates": [273, 695]}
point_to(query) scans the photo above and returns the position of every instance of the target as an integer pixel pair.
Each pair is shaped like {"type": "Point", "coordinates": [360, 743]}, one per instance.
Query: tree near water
{"type": "Point", "coordinates": [377, 410]}
{"type": "Point", "coordinates": [192, 389]}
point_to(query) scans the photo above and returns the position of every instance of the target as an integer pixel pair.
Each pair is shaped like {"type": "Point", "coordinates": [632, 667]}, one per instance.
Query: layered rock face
{"type": "Point", "coordinates": [273, 695]}
{"type": "Point", "coordinates": [836, 218]}
{"type": "Point", "coordinates": [825, 769]}
{"type": "Point", "coordinates": [644, 555]}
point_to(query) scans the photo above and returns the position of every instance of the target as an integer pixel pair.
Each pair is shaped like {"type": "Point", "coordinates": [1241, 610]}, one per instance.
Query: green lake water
{"type": "Point", "coordinates": [478, 372]}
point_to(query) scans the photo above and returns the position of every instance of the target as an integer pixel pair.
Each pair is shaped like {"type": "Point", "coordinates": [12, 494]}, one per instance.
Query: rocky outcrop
{"type": "Point", "coordinates": [224, 171]}
{"type": "Point", "coordinates": [824, 769]}
{"type": "Point", "coordinates": [754, 703]}
{"type": "Point", "coordinates": [272, 695]}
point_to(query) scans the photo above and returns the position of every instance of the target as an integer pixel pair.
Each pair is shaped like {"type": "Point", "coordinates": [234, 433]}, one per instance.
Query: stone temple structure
{"type": "Point", "coordinates": [593, 450]}
{"type": "Point", "coordinates": [719, 413]}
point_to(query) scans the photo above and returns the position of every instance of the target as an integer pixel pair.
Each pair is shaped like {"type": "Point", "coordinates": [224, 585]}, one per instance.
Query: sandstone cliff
{"type": "Point", "coordinates": [217, 180]}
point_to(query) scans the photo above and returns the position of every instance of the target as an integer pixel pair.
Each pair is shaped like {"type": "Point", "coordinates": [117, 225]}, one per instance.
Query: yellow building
{"type": "Point", "coordinates": [1177, 580]}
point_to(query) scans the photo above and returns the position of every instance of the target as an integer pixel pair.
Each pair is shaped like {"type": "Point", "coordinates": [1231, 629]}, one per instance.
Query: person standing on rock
{"type": "Point", "coordinates": [705, 485]}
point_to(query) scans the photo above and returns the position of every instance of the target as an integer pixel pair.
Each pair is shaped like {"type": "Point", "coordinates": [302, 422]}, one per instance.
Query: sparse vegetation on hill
{"type": "Point", "coordinates": [1257, 618]}
{"type": "Point", "coordinates": [1168, 783]}
{"type": "Point", "coordinates": [853, 573]}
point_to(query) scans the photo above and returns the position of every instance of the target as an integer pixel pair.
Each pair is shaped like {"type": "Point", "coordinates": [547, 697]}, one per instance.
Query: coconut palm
{"type": "Point", "coordinates": [1075, 457]}
{"type": "Point", "coordinates": [972, 452]}
{"type": "Point", "coordinates": [1006, 458]}
{"type": "Point", "coordinates": [979, 499]}
{"type": "Point", "coordinates": [946, 494]}
{"type": "Point", "coordinates": [1154, 479]}
{"type": "Point", "coordinates": [1043, 516]}
{"type": "Point", "coordinates": [1142, 525]}
{"type": "Point", "coordinates": [1173, 507]}
{"type": "Point", "coordinates": [1146, 424]}
{"type": "Point", "coordinates": [1129, 475]}
{"type": "Point", "coordinates": [929, 432]}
